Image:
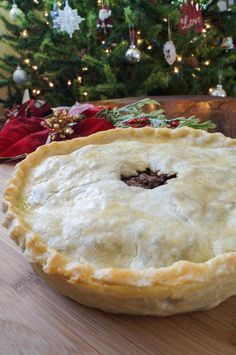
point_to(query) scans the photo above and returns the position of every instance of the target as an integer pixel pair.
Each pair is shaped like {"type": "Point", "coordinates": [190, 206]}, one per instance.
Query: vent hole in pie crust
{"type": "Point", "coordinates": [148, 179]}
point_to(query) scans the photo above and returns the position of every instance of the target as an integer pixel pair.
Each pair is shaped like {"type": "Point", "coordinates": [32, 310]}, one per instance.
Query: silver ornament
{"type": "Point", "coordinates": [219, 91]}
{"type": "Point", "coordinates": [19, 75]}
{"type": "Point", "coordinates": [15, 12]}
{"type": "Point", "coordinates": [133, 54]}
{"type": "Point", "coordinates": [169, 52]}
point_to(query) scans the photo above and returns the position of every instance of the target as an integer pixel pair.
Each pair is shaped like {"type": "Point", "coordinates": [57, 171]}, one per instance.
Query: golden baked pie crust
{"type": "Point", "coordinates": [181, 287]}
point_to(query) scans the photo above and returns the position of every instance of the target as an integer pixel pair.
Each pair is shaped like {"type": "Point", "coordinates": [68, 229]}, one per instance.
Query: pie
{"type": "Point", "coordinates": [135, 221]}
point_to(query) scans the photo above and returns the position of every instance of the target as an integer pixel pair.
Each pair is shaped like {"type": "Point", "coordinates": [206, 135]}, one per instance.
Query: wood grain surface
{"type": "Point", "coordinates": [36, 320]}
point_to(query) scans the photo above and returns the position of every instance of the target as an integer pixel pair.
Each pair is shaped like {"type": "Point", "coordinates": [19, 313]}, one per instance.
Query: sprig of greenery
{"type": "Point", "coordinates": [194, 122]}
{"type": "Point", "coordinates": [120, 117]}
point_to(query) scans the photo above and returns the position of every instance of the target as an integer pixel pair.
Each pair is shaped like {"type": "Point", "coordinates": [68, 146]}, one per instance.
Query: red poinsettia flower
{"type": "Point", "coordinates": [21, 135]}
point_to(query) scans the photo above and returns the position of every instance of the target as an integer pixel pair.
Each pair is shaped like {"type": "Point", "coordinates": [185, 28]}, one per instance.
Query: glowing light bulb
{"type": "Point", "coordinates": [85, 68]}
{"type": "Point", "coordinates": [69, 82]}
{"type": "Point", "coordinates": [138, 33]}
{"type": "Point", "coordinates": [149, 47]}
{"type": "Point", "coordinates": [207, 62]}
{"type": "Point", "coordinates": [25, 33]}
{"type": "Point", "coordinates": [85, 93]}
{"type": "Point", "coordinates": [79, 79]}
{"type": "Point", "coordinates": [179, 58]}
{"type": "Point", "coordinates": [27, 61]}
{"type": "Point", "coordinates": [210, 90]}
{"type": "Point", "coordinates": [34, 67]}
{"type": "Point", "coordinates": [36, 91]}
{"type": "Point", "coordinates": [176, 70]}
{"type": "Point", "coordinates": [50, 84]}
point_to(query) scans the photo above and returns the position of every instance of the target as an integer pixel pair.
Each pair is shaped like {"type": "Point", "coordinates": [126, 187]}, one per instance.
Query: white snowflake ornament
{"type": "Point", "coordinates": [69, 20]}
{"type": "Point", "coordinates": [169, 52]}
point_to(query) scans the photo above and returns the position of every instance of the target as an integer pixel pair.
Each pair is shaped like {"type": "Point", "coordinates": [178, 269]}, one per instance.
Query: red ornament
{"type": "Point", "coordinates": [175, 124]}
{"type": "Point", "coordinates": [190, 16]}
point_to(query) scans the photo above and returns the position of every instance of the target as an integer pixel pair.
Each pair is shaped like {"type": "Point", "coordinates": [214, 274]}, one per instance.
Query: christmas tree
{"type": "Point", "coordinates": [92, 64]}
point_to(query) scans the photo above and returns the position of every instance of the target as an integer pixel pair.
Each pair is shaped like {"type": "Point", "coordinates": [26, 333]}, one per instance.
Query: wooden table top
{"type": "Point", "coordinates": [34, 319]}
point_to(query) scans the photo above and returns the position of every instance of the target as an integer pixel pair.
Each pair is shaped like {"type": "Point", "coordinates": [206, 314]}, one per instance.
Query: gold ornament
{"type": "Point", "coordinates": [60, 124]}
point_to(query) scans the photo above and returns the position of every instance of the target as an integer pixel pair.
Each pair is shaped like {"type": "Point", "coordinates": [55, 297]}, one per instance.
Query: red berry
{"type": "Point", "coordinates": [175, 123]}
{"type": "Point", "coordinates": [133, 120]}
{"type": "Point", "coordinates": [144, 120]}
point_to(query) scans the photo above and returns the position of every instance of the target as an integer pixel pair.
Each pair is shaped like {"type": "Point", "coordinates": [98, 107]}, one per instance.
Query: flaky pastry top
{"type": "Point", "coordinates": [75, 204]}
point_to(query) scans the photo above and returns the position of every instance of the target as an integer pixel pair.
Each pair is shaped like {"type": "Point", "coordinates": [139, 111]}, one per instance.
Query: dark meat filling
{"type": "Point", "coordinates": [148, 179]}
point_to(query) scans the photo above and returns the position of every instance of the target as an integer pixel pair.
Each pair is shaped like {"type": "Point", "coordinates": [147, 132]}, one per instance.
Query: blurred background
{"type": "Point", "coordinates": [67, 51]}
